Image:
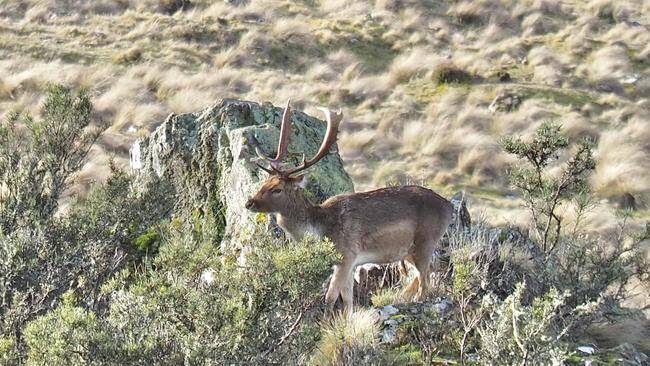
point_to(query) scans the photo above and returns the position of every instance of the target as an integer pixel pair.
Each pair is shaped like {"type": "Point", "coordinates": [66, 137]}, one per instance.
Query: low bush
{"type": "Point", "coordinates": [448, 74]}
{"type": "Point", "coordinates": [266, 310]}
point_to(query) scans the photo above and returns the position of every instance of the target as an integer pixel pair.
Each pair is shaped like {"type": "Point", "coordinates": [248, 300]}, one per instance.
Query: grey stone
{"type": "Point", "coordinates": [391, 322]}
{"type": "Point", "coordinates": [442, 307]}
{"type": "Point", "coordinates": [209, 158]}
{"type": "Point", "coordinates": [390, 310]}
{"type": "Point", "coordinates": [588, 350]}
{"type": "Point", "coordinates": [388, 336]}
{"type": "Point", "coordinates": [505, 102]}
{"type": "Point", "coordinates": [408, 312]}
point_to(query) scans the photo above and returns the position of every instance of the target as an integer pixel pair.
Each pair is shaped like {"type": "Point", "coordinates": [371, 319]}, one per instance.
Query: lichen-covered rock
{"type": "Point", "coordinates": [505, 102]}
{"type": "Point", "coordinates": [624, 354]}
{"type": "Point", "coordinates": [393, 316]}
{"type": "Point", "coordinates": [461, 221]}
{"type": "Point", "coordinates": [209, 158]}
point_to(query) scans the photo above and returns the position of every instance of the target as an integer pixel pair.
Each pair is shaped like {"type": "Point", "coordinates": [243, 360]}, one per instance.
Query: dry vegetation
{"type": "Point", "coordinates": [415, 78]}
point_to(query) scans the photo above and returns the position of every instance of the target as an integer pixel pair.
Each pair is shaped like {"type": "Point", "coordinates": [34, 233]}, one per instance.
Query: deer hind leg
{"type": "Point", "coordinates": [342, 283]}
{"type": "Point", "coordinates": [423, 257]}
{"type": "Point", "coordinates": [423, 265]}
{"type": "Point", "coordinates": [411, 289]}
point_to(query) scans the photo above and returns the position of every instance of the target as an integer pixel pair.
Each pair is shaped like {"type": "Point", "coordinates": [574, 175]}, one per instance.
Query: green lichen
{"type": "Point", "coordinates": [147, 241]}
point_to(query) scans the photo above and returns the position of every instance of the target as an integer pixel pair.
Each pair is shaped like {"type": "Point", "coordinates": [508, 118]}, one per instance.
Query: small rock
{"type": "Point", "coordinates": [387, 311]}
{"type": "Point", "coordinates": [505, 103]}
{"type": "Point", "coordinates": [442, 306]}
{"type": "Point", "coordinates": [391, 323]}
{"type": "Point", "coordinates": [630, 79]}
{"type": "Point", "coordinates": [207, 276]}
{"type": "Point", "coordinates": [390, 309]}
{"type": "Point", "coordinates": [588, 350]}
{"type": "Point", "coordinates": [388, 336]}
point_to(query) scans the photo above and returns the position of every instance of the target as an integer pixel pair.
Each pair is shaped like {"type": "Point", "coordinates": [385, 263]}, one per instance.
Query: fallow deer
{"type": "Point", "coordinates": [379, 226]}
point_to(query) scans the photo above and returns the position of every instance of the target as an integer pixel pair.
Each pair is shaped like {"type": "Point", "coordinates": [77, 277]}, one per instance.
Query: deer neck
{"type": "Point", "coordinates": [300, 218]}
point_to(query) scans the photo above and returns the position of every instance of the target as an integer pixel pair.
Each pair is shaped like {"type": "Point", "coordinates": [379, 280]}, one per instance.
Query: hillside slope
{"type": "Point", "coordinates": [415, 78]}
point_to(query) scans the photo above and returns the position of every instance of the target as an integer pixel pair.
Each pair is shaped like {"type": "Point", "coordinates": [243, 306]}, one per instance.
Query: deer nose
{"type": "Point", "coordinates": [250, 203]}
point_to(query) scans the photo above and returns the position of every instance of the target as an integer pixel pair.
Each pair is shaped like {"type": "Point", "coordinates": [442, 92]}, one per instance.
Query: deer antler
{"type": "Point", "coordinates": [283, 143]}
{"type": "Point", "coordinates": [333, 122]}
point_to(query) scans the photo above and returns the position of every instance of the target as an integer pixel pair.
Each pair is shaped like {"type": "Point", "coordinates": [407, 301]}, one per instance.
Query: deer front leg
{"type": "Point", "coordinates": [342, 284]}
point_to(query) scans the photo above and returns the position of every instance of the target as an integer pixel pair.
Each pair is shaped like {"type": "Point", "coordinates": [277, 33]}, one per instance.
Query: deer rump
{"type": "Point", "coordinates": [388, 224]}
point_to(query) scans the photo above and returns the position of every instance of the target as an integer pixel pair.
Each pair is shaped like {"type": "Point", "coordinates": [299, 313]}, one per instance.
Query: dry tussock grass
{"type": "Point", "coordinates": [376, 60]}
{"type": "Point", "coordinates": [346, 338]}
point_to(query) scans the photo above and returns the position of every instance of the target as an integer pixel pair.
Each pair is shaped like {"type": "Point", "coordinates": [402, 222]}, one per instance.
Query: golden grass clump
{"type": "Point", "coordinates": [622, 165]}
{"type": "Point", "coordinates": [131, 55]}
{"type": "Point", "coordinates": [344, 339]}
{"type": "Point", "coordinates": [387, 296]}
{"type": "Point", "coordinates": [412, 64]}
{"type": "Point", "coordinates": [607, 63]}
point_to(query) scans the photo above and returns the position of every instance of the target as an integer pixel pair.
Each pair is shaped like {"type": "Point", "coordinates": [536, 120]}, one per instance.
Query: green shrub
{"type": "Point", "coordinates": [515, 334]}
{"type": "Point", "coordinates": [44, 257]}
{"type": "Point", "coordinates": [68, 336]}
{"type": "Point", "coordinates": [543, 192]}
{"type": "Point", "coordinates": [37, 157]}
{"type": "Point", "coordinates": [258, 310]}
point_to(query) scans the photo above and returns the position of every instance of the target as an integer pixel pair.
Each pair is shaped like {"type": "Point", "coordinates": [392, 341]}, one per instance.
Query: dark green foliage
{"type": "Point", "coordinates": [76, 252]}
{"type": "Point", "coordinates": [75, 336]}
{"type": "Point", "coordinates": [584, 264]}
{"type": "Point", "coordinates": [588, 265]}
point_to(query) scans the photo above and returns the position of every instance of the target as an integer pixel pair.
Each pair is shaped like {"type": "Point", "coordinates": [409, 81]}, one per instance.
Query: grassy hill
{"type": "Point", "coordinates": [583, 64]}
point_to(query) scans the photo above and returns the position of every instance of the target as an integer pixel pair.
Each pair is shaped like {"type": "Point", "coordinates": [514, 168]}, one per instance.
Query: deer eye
{"type": "Point", "coordinates": [276, 191]}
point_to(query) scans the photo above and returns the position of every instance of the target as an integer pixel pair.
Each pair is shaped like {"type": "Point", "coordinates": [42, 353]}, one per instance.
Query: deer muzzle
{"type": "Point", "coordinates": [251, 204]}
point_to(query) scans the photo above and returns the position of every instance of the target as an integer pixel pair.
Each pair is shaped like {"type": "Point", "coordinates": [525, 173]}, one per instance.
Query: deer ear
{"type": "Point", "coordinates": [302, 180]}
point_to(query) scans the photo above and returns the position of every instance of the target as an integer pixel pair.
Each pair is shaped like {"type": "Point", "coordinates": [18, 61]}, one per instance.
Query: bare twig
{"type": "Point", "coordinates": [291, 330]}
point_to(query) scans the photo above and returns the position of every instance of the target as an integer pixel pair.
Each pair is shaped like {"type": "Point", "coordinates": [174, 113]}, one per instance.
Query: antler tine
{"type": "Point", "coordinates": [283, 142]}
{"type": "Point", "coordinates": [270, 171]}
{"type": "Point", "coordinates": [333, 122]}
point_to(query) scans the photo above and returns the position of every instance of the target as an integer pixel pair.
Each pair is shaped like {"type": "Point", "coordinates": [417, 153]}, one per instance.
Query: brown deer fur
{"type": "Point", "coordinates": [379, 226]}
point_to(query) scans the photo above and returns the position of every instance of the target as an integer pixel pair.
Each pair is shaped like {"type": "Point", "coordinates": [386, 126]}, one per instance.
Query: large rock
{"type": "Point", "coordinates": [208, 157]}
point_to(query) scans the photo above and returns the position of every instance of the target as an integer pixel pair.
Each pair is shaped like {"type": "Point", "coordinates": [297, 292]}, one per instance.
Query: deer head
{"type": "Point", "coordinates": [282, 189]}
